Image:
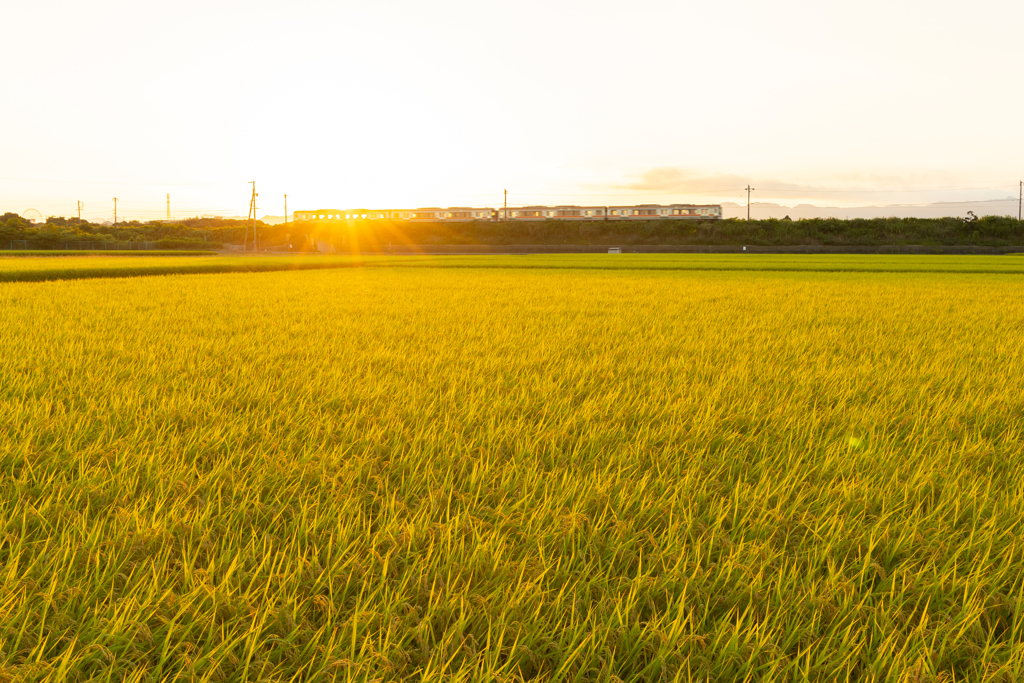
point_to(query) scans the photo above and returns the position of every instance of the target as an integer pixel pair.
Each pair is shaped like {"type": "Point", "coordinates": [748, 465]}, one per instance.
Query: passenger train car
{"type": "Point", "coordinates": [523, 213]}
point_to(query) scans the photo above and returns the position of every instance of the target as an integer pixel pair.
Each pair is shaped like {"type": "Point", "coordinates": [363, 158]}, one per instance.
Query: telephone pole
{"type": "Point", "coordinates": [505, 217]}
{"type": "Point", "coordinates": [286, 209]}
{"type": "Point", "coordinates": [749, 189]}
{"type": "Point", "coordinates": [115, 211]}
{"type": "Point", "coordinates": [80, 206]}
{"type": "Point", "coordinates": [168, 206]}
{"type": "Point", "coordinates": [1020, 199]}
{"type": "Point", "coordinates": [252, 217]}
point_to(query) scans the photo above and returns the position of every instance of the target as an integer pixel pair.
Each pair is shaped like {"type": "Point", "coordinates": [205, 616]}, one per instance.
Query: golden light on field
{"type": "Point", "coordinates": [652, 467]}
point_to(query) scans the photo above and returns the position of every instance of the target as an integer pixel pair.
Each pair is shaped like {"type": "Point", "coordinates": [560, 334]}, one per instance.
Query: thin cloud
{"type": "Point", "coordinates": [670, 180]}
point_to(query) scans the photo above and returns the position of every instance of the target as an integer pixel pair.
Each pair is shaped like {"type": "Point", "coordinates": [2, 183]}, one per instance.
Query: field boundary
{"type": "Point", "coordinates": [212, 267]}
{"type": "Point", "coordinates": [86, 253]}
{"type": "Point", "coordinates": [56, 270]}
{"type": "Point", "coordinates": [510, 249]}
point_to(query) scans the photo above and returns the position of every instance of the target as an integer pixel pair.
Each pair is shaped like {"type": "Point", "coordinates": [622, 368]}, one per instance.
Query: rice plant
{"type": "Point", "coordinates": [38, 268]}
{"type": "Point", "coordinates": [513, 473]}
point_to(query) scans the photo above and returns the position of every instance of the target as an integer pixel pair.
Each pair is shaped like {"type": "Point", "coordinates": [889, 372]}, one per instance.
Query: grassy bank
{"type": "Point", "coordinates": [988, 231]}
{"type": "Point", "coordinates": [26, 269]}
{"type": "Point", "coordinates": [38, 268]}
{"type": "Point", "coordinates": [201, 234]}
{"type": "Point", "coordinates": [102, 252]}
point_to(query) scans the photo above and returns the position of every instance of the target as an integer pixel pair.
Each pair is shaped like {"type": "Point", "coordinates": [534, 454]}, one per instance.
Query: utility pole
{"type": "Point", "coordinates": [505, 218]}
{"type": "Point", "coordinates": [286, 209]}
{"type": "Point", "coordinates": [252, 217]}
{"type": "Point", "coordinates": [1020, 199]}
{"type": "Point", "coordinates": [115, 211]}
{"type": "Point", "coordinates": [80, 207]}
{"type": "Point", "coordinates": [749, 190]}
{"type": "Point", "coordinates": [168, 206]}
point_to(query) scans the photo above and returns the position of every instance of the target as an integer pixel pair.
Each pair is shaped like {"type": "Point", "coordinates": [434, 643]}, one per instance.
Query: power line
{"type": "Point", "coordinates": [931, 189]}
{"type": "Point", "coordinates": [105, 182]}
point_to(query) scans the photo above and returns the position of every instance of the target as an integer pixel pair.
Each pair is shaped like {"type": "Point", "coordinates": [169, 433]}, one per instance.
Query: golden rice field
{"type": "Point", "coordinates": [497, 472]}
{"type": "Point", "coordinates": [38, 268]}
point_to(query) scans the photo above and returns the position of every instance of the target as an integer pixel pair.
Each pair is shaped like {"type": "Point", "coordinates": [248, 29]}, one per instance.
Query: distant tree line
{"type": "Point", "coordinates": [986, 231]}
{"type": "Point", "coordinates": [215, 233]}
{"type": "Point", "coordinates": [192, 233]}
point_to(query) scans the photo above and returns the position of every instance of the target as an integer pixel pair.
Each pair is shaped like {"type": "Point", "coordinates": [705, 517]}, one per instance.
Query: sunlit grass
{"type": "Point", "coordinates": [81, 267]}
{"type": "Point", "coordinates": [500, 473]}
{"type": "Point", "coordinates": [104, 252]}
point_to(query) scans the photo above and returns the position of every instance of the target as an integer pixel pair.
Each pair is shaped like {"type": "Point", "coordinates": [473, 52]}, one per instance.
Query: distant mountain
{"type": "Point", "coordinates": [761, 210]}
{"type": "Point", "coordinates": [273, 220]}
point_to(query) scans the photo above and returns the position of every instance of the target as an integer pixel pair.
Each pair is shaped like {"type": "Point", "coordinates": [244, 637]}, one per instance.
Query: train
{"type": "Point", "coordinates": [522, 213]}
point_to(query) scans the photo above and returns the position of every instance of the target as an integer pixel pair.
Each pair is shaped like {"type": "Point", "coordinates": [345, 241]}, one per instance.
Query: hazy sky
{"type": "Point", "coordinates": [385, 103]}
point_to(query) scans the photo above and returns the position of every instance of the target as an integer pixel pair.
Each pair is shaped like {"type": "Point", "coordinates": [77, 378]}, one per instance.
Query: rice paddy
{"type": "Point", "coordinates": [519, 468]}
{"type": "Point", "coordinates": [39, 268]}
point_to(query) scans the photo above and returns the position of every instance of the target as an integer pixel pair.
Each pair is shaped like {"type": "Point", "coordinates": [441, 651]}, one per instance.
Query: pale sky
{"type": "Point", "coordinates": [388, 104]}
